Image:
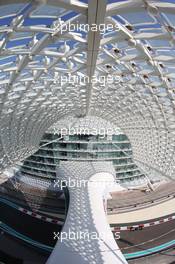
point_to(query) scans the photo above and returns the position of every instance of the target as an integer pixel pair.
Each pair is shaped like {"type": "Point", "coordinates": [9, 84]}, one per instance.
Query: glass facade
{"type": "Point", "coordinates": [115, 148]}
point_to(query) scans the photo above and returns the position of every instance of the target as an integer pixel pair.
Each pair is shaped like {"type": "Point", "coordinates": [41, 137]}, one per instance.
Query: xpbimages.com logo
{"type": "Point", "coordinates": [85, 235]}
{"type": "Point", "coordinates": [102, 132]}
{"type": "Point", "coordinates": [101, 80]}
{"type": "Point", "coordinates": [68, 26]}
{"type": "Point", "coordinates": [78, 183]}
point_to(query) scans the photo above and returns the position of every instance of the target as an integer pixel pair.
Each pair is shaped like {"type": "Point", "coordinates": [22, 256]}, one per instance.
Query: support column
{"type": "Point", "coordinates": [86, 237]}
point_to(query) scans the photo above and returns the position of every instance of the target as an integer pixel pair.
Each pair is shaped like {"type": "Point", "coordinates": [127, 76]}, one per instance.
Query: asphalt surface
{"type": "Point", "coordinates": [132, 241]}
{"type": "Point", "coordinates": [14, 251]}
{"type": "Point", "coordinates": [167, 257]}
{"type": "Point", "coordinates": [34, 228]}
{"type": "Point", "coordinates": [41, 231]}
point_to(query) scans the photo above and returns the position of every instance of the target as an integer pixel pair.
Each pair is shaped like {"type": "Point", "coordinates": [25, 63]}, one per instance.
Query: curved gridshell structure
{"type": "Point", "coordinates": [138, 53]}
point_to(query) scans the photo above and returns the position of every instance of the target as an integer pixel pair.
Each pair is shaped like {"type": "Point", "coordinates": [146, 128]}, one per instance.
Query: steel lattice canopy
{"type": "Point", "coordinates": [138, 53]}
